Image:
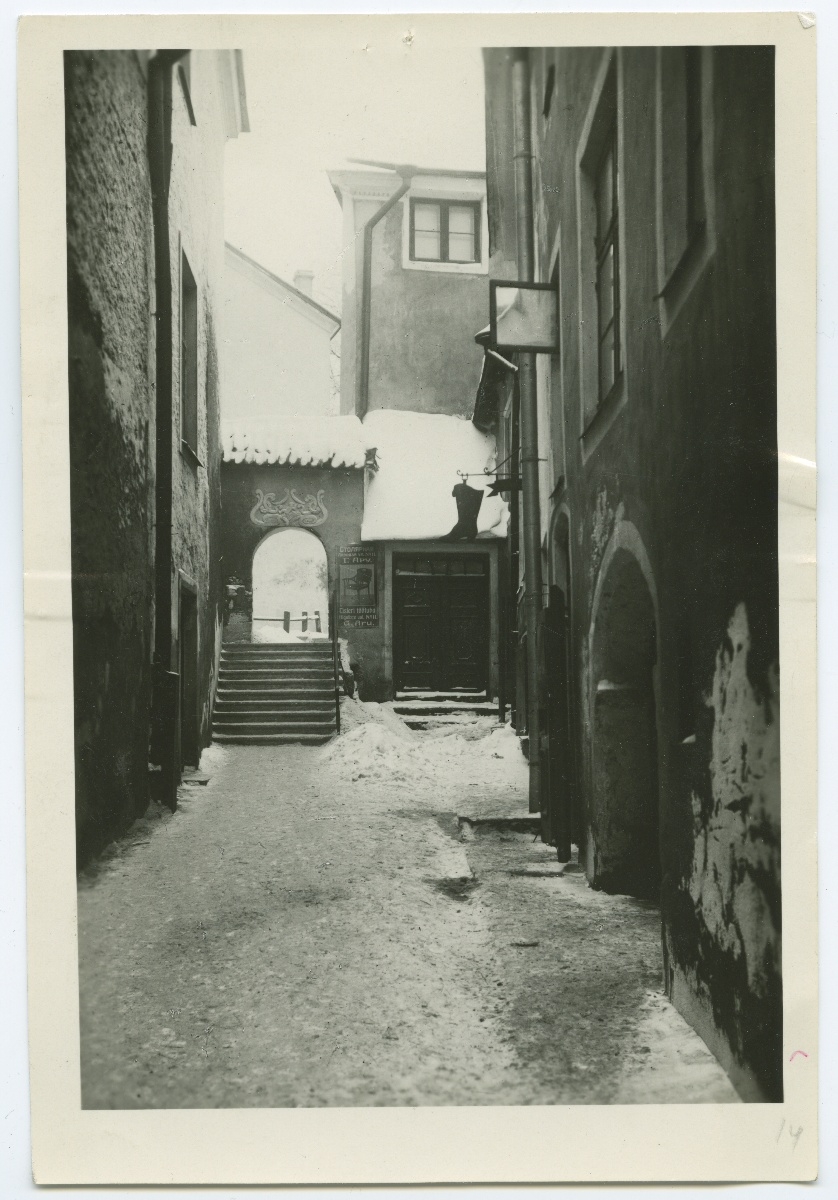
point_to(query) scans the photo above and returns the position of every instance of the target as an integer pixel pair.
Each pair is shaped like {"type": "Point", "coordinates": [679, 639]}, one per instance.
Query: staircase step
{"type": "Point", "coordinates": [267, 716]}
{"type": "Point", "coordinates": [427, 708]}
{"type": "Point", "coordinates": [280, 688]}
{"type": "Point", "coordinates": [269, 726]}
{"type": "Point", "coordinates": [277, 650]}
{"type": "Point", "coordinates": [278, 662]}
{"type": "Point", "coordinates": [315, 739]}
{"type": "Point", "coordinates": [443, 697]}
{"type": "Point", "coordinates": [447, 722]}
{"type": "Point", "coordinates": [293, 679]}
{"type": "Point", "coordinates": [266, 704]}
{"type": "Point", "coordinates": [256, 665]}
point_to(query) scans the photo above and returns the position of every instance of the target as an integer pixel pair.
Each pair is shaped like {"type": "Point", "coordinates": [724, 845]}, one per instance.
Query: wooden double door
{"type": "Point", "coordinates": [441, 622]}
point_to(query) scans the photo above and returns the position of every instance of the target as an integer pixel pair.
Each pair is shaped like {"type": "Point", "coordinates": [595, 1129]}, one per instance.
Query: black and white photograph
{"type": "Point", "coordinates": [423, 515]}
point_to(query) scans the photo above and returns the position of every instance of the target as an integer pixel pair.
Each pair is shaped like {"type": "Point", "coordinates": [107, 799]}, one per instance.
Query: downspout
{"type": "Point", "coordinates": [362, 374]}
{"type": "Point", "coordinates": [522, 162]}
{"type": "Point", "coordinates": [165, 680]}
{"type": "Point", "coordinates": [513, 636]}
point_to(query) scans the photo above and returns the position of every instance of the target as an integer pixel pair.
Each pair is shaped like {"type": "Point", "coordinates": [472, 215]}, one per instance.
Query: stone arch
{"type": "Point", "coordinates": [560, 549]}
{"type": "Point", "coordinates": [290, 573]}
{"type": "Point", "coordinates": [622, 657]}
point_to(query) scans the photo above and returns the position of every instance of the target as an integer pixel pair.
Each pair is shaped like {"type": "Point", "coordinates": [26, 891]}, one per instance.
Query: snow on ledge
{"type": "Point", "coordinates": [296, 441]}
{"type": "Point", "coordinates": [419, 455]}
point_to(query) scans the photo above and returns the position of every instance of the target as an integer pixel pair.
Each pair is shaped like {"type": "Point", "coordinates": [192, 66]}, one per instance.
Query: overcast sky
{"type": "Point", "coordinates": [310, 114]}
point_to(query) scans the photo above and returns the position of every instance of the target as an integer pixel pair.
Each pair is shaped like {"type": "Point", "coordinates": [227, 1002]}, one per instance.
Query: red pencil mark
{"type": "Point", "coordinates": [803, 1052]}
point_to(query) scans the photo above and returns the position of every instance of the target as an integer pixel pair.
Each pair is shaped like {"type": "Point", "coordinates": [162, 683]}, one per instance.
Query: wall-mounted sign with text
{"type": "Point", "coordinates": [358, 587]}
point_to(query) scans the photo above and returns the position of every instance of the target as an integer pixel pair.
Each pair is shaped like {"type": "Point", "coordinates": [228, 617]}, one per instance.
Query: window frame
{"type": "Point", "coordinates": [602, 126]}
{"type": "Point", "coordinates": [605, 241]}
{"type": "Point", "coordinates": [445, 205]}
{"type": "Point", "coordinates": [676, 278]}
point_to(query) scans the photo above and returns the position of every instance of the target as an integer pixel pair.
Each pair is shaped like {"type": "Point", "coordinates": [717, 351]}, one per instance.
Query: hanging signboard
{"type": "Point", "coordinates": [358, 587]}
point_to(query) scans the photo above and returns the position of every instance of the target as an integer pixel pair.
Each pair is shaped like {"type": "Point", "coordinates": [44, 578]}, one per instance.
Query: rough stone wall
{"type": "Point", "coordinates": [423, 356]}
{"type": "Point", "coordinates": [196, 228]}
{"type": "Point", "coordinates": [111, 431]}
{"type": "Point", "coordinates": [689, 462]}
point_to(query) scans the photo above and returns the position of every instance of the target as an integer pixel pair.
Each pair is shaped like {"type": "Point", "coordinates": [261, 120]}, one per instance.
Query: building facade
{"type": "Point", "coordinates": [145, 137]}
{"type": "Point", "coordinates": [412, 292]}
{"type": "Point", "coordinates": [277, 345]}
{"type": "Point", "coordinates": [652, 187]}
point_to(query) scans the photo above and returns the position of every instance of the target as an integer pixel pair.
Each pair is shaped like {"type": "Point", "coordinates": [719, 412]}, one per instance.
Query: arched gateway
{"type": "Point", "coordinates": [290, 576]}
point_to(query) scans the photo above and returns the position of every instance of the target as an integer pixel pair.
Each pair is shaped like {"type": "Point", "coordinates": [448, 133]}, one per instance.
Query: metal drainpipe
{"type": "Point", "coordinates": [362, 375]}
{"type": "Point", "coordinates": [522, 159]}
{"type": "Point", "coordinates": [165, 680]}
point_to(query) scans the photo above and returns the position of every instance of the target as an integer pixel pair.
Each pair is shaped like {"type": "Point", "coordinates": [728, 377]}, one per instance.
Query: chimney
{"type": "Point", "coordinates": [304, 282]}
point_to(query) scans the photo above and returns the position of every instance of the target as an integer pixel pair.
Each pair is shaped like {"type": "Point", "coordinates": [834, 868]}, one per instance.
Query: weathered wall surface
{"type": "Point", "coordinates": [422, 351]}
{"type": "Point", "coordinates": [687, 462]}
{"type": "Point", "coordinates": [111, 429]}
{"type": "Point", "coordinates": [196, 229]}
{"type": "Point", "coordinates": [276, 348]}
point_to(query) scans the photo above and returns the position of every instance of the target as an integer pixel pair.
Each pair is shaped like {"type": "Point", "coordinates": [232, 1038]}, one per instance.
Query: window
{"type": "Point", "coordinates": [684, 174]}
{"type": "Point", "coordinates": [444, 231]}
{"type": "Point", "coordinates": [188, 357]}
{"type": "Point", "coordinates": [603, 254]}
{"type": "Point", "coordinates": [682, 186]}
{"type": "Point", "coordinates": [607, 268]}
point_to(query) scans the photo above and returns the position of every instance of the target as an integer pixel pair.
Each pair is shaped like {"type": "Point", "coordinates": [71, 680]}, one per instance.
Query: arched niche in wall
{"type": "Point", "coordinates": [624, 816]}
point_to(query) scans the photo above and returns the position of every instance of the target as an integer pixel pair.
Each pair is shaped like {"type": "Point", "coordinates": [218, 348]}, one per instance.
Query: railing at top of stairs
{"type": "Point", "coordinates": [333, 633]}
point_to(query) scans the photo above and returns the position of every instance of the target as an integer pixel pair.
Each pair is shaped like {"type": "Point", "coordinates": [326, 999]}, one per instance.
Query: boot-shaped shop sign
{"type": "Point", "coordinates": [468, 500]}
{"type": "Point", "coordinates": [291, 509]}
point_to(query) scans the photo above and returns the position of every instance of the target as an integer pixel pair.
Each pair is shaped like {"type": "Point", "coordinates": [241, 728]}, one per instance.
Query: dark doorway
{"type": "Point", "coordinates": [188, 669]}
{"type": "Point", "coordinates": [557, 819]}
{"type": "Point", "coordinates": [441, 623]}
{"type": "Point", "coordinates": [560, 819]}
{"type": "Point", "coordinates": [624, 820]}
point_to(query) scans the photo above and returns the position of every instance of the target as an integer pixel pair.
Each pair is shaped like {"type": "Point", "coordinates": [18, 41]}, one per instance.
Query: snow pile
{"type": "Point", "coordinates": [374, 750]}
{"type": "Point", "coordinates": [465, 753]}
{"type": "Point", "coordinates": [297, 441]}
{"type": "Point", "coordinates": [378, 746]}
{"type": "Point", "coordinates": [213, 758]}
{"type": "Point", "coordinates": [419, 455]}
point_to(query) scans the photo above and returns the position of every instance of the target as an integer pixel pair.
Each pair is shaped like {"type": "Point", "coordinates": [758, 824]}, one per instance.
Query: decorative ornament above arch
{"type": "Point", "coordinates": [290, 510]}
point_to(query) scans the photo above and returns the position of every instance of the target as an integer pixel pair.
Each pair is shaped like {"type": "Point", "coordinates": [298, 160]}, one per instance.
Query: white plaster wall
{"type": "Point", "coordinates": [275, 354]}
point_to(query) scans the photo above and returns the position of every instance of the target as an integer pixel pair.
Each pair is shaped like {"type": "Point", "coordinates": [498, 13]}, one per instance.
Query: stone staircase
{"type": "Point", "coordinates": [437, 710]}
{"type": "Point", "coordinates": [275, 693]}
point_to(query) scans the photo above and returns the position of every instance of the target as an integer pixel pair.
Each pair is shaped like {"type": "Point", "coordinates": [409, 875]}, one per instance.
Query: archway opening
{"type": "Point", "coordinates": [625, 819]}
{"type": "Point", "coordinates": [290, 588]}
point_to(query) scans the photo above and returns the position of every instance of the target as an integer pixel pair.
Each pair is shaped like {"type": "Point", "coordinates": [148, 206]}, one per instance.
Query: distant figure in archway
{"type": "Point", "coordinates": [290, 587]}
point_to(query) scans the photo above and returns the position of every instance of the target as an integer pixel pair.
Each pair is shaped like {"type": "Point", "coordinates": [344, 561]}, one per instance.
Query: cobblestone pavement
{"type": "Point", "coordinates": [293, 936]}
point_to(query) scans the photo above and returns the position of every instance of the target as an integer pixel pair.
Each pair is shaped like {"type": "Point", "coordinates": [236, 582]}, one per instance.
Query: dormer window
{"type": "Point", "coordinates": [446, 231]}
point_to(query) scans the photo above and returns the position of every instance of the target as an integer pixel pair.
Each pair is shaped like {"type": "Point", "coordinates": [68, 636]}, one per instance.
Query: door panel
{"type": "Point", "coordinates": [441, 623]}
{"type": "Point", "coordinates": [467, 624]}
{"type": "Point", "coordinates": [414, 605]}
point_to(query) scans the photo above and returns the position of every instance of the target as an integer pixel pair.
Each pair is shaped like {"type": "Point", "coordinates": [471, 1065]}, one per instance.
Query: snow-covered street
{"type": "Point", "coordinates": [315, 926]}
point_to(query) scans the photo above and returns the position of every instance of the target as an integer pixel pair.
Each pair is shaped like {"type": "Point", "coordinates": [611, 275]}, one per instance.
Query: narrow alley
{"type": "Point", "coordinates": [369, 922]}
